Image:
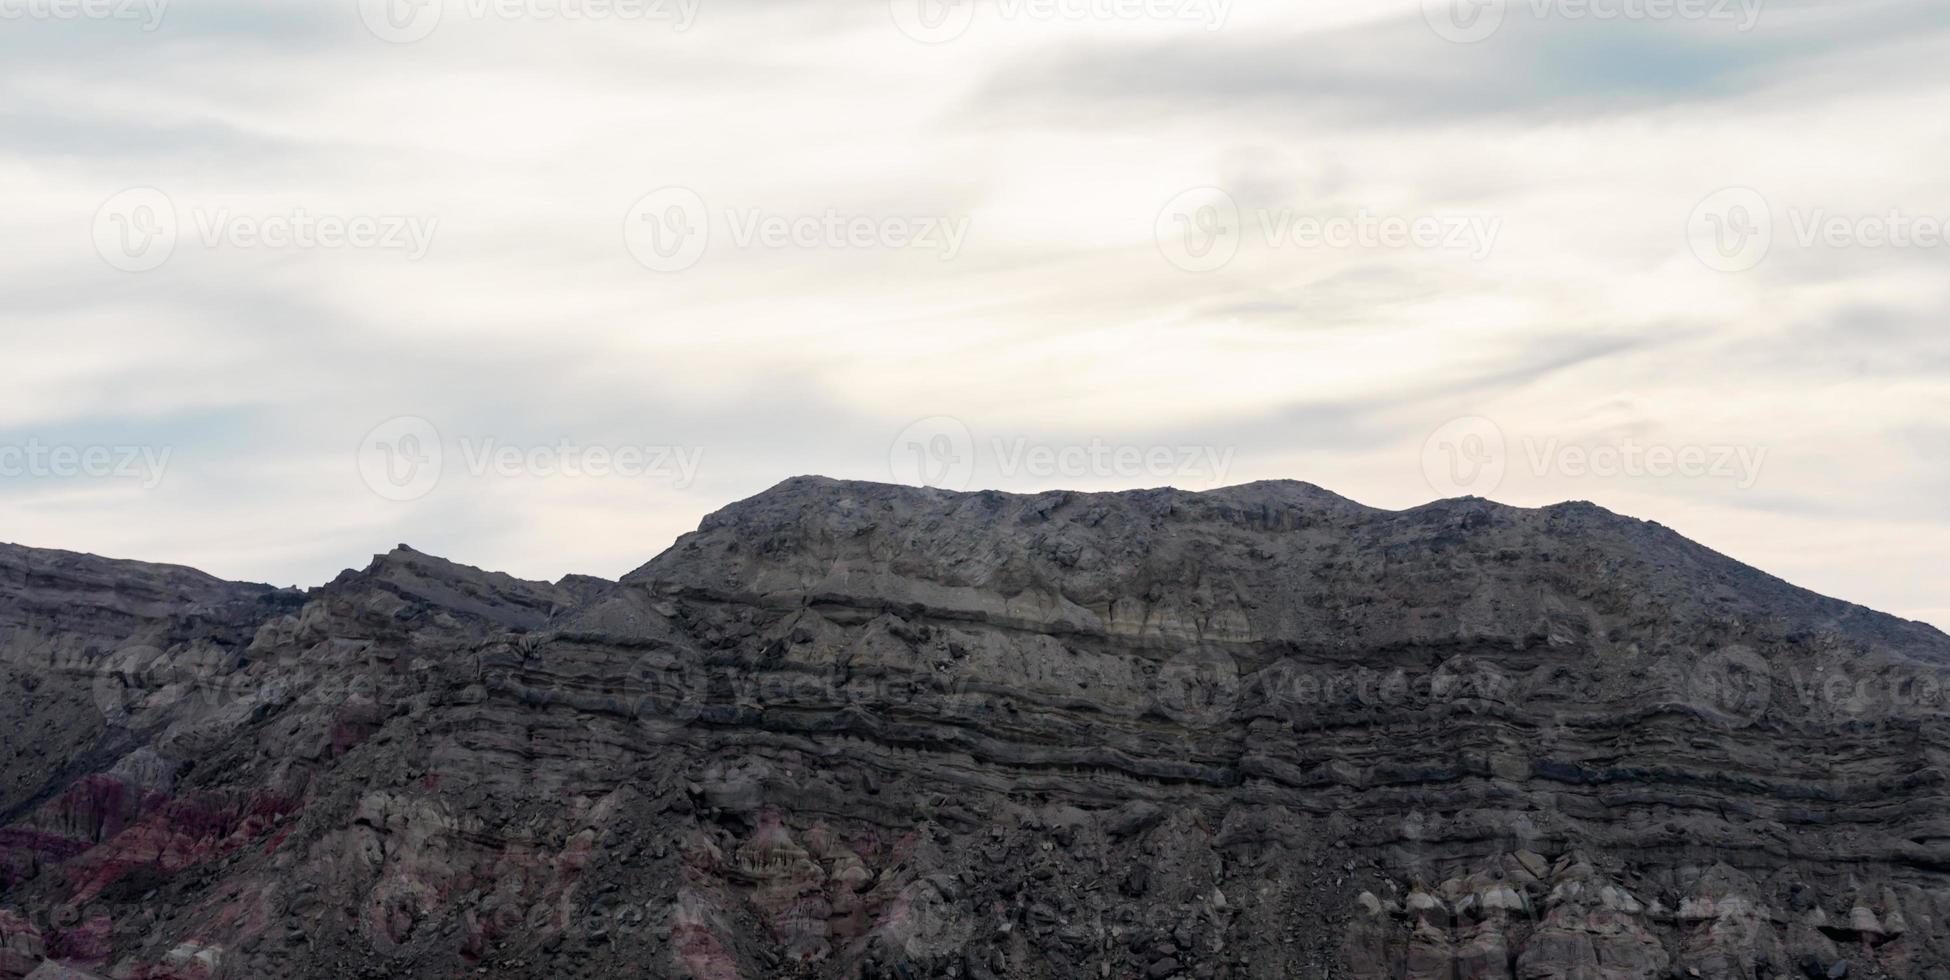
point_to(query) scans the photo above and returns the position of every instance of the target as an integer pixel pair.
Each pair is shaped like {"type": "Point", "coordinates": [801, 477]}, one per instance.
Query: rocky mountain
{"type": "Point", "coordinates": [847, 730]}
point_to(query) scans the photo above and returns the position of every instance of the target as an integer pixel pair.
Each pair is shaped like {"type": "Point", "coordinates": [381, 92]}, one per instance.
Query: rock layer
{"type": "Point", "coordinates": [851, 730]}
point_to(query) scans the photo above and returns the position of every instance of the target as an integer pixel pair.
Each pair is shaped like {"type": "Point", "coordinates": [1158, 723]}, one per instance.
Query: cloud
{"type": "Point", "coordinates": [1397, 73]}
{"type": "Point", "coordinates": [1060, 323]}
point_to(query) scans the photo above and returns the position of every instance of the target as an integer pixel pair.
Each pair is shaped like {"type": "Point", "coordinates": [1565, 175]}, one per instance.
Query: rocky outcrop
{"type": "Point", "coordinates": [852, 730]}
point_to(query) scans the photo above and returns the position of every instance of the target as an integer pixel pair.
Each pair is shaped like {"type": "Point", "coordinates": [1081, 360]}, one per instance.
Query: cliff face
{"type": "Point", "coordinates": [852, 730]}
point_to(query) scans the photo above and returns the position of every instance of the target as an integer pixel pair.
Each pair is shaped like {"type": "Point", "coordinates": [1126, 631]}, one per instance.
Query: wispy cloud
{"type": "Point", "coordinates": [1582, 320]}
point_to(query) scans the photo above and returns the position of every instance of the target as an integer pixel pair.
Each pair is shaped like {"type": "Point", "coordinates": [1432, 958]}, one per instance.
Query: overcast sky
{"type": "Point", "coordinates": [288, 283]}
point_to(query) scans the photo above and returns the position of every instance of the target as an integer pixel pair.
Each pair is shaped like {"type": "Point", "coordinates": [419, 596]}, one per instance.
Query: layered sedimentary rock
{"type": "Point", "coordinates": [850, 730]}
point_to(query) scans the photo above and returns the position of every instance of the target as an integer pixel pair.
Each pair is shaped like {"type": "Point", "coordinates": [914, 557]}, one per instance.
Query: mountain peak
{"type": "Point", "coordinates": [1463, 567]}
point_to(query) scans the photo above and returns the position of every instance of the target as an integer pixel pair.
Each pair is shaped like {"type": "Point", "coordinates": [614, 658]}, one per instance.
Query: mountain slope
{"type": "Point", "coordinates": [854, 730]}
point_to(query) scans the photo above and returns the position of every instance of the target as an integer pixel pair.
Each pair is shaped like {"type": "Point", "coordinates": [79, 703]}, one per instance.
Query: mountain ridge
{"type": "Point", "coordinates": [790, 484]}
{"type": "Point", "coordinates": [850, 730]}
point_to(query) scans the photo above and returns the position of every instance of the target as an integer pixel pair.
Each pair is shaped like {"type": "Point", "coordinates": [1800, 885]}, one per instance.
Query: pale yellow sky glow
{"type": "Point", "coordinates": [538, 293]}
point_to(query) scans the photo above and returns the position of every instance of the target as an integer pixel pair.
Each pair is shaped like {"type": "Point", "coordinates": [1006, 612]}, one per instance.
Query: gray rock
{"type": "Point", "coordinates": [851, 730]}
